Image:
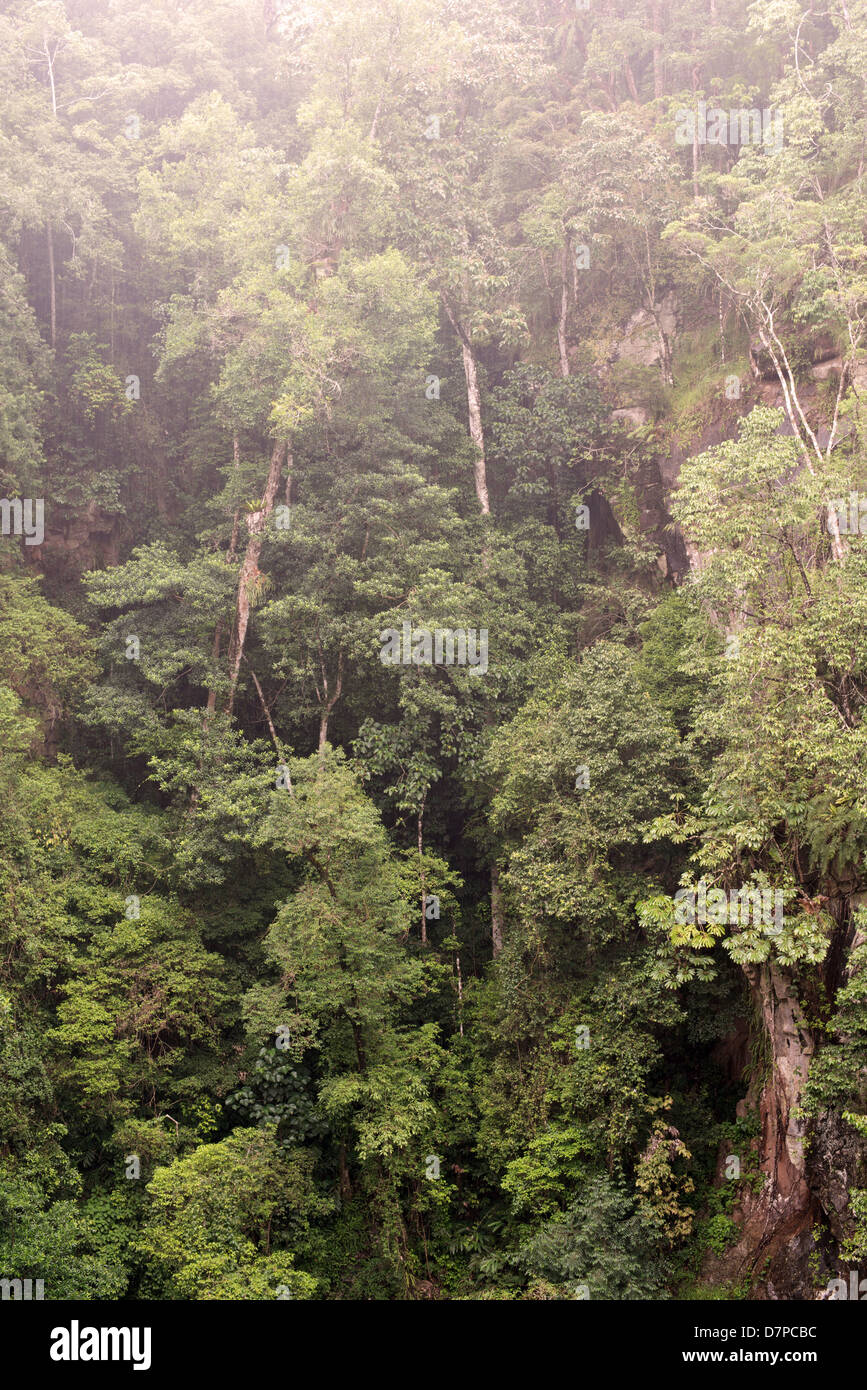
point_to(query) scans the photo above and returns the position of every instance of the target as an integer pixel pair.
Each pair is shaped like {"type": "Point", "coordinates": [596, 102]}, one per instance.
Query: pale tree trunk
{"type": "Point", "coordinates": [630, 80]}
{"type": "Point", "coordinates": [474, 407]}
{"type": "Point", "coordinates": [236, 459]}
{"type": "Point", "coordinates": [49, 59]}
{"type": "Point", "coordinates": [215, 656]}
{"type": "Point", "coordinates": [760, 318]}
{"type": "Point", "coordinates": [775, 349]}
{"type": "Point", "coordinates": [421, 872]}
{"type": "Point", "coordinates": [327, 700]}
{"type": "Point", "coordinates": [695, 192]}
{"type": "Point", "coordinates": [250, 568]}
{"type": "Point", "coordinates": [658, 76]}
{"type": "Point", "coordinates": [374, 123]}
{"type": "Point", "coordinates": [273, 732]}
{"type": "Point", "coordinates": [665, 369]}
{"type": "Point", "coordinates": [496, 911]}
{"type": "Point", "coordinates": [561, 321]}
{"type": "Point", "coordinates": [52, 285]}
{"type": "Point", "coordinates": [233, 548]}
{"type": "Point", "coordinates": [474, 411]}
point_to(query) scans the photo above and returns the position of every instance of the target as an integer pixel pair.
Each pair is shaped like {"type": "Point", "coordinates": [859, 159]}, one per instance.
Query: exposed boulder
{"type": "Point", "coordinates": [647, 338]}
{"type": "Point", "coordinates": [821, 371]}
{"type": "Point", "coordinates": [78, 540]}
{"type": "Point", "coordinates": [838, 1162]}
{"type": "Point", "coordinates": [632, 416]}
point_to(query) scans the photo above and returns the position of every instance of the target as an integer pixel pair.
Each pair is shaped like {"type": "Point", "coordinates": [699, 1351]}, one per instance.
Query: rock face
{"type": "Point", "coordinates": [837, 1160]}
{"type": "Point", "coordinates": [837, 1164]}
{"type": "Point", "coordinates": [821, 371]}
{"type": "Point", "coordinates": [648, 335]}
{"type": "Point", "coordinates": [78, 542]}
{"type": "Point", "coordinates": [632, 416]}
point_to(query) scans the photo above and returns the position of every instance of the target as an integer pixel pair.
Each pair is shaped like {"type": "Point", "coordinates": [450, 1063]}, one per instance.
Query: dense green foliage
{"type": "Point", "coordinates": [324, 977]}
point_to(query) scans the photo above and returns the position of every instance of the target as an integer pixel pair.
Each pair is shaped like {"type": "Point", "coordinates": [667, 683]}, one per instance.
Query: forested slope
{"type": "Point", "coordinates": [433, 648]}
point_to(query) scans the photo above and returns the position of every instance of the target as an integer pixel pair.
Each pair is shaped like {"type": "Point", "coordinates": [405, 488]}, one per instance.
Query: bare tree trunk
{"type": "Point", "coordinates": [236, 459]}
{"type": "Point", "coordinates": [421, 871]}
{"type": "Point", "coordinates": [215, 655]}
{"type": "Point", "coordinates": [233, 548]}
{"type": "Point", "coordinates": [630, 80]}
{"type": "Point", "coordinates": [474, 410]}
{"type": "Point", "coordinates": [496, 911]}
{"type": "Point", "coordinates": [561, 321]}
{"type": "Point", "coordinates": [474, 406]}
{"type": "Point", "coordinates": [658, 77]}
{"type": "Point", "coordinates": [372, 132]}
{"type": "Point", "coordinates": [266, 711]}
{"type": "Point", "coordinates": [52, 285]}
{"type": "Point", "coordinates": [776, 351]}
{"type": "Point", "coordinates": [345, 1183]}
{"type": "Point", "coordinates": [773, 1217]}
{"type": "Point", "coordinates": [695, 192]}
{"type": "Point", "coordinates": [665, 370]}
{"type": "Point", "coordinates": [49, 59]}
{"type": "Point", "coordinates": [250, 567]}
{"type": "Point", "coordinates": [325, 713]}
